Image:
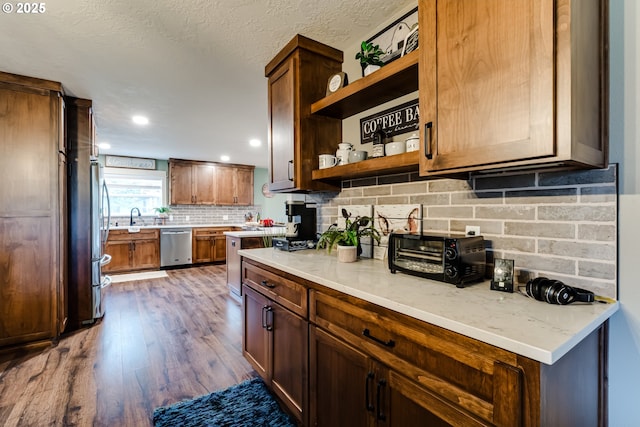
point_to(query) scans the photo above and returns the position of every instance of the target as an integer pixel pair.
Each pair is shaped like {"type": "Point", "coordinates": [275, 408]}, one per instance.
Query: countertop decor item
{"type": "Point", "coordinates": [337, 81]}
{"type": "Point", "coordinates": [350, 235]}
{"type": "Point", "coordinates": [369, 56]}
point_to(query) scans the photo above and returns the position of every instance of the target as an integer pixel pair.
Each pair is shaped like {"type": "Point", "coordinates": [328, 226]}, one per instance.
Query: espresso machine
{"type": "Point", "coordinates": [300, 227]}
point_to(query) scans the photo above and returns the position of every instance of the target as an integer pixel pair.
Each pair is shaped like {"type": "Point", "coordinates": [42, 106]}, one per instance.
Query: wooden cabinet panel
{"type": "Point", "coordinates": [33, 249]}
{"type": "Point", "coordinates": [204, 184]}
{"type": "Point", "coordinates": [120, 251]}
{"type": "Point", "coordinates": [209, 183]}
{"type": "Point", "coordinates": [209, 244]}
{"type": "Point", "coordinates": [340, 387]}
{"type": "Point", "coordinates": [133, 251]}
{"type": "Point", "coordinates": [181, 183]}
{"type": "Point", "coordinates": [297, 77]}
{"type": "Point", "coordinates": [288, 293]}
{"type": "Point", "coordinates": [255, 339]}
{"type": "Point", "coordinates": [496, 79]}
{"type": "Point", "coordinates": [283, 364]}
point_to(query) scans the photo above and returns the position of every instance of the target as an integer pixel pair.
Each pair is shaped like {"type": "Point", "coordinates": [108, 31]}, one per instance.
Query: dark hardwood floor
{"type": "Point", "coordinates": [161, 341]}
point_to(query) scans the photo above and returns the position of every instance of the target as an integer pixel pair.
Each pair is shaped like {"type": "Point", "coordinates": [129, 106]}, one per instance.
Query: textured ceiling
{"type": "Point", "coordinates": [194, 67]}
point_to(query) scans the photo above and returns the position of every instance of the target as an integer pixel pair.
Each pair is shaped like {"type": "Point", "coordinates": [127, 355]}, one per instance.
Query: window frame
{"type": "Point", "coordinates": [139, 174]}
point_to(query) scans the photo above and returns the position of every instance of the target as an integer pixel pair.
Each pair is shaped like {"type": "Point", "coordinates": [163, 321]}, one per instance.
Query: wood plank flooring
{"type": "Point", "coordinates": [161, 341]}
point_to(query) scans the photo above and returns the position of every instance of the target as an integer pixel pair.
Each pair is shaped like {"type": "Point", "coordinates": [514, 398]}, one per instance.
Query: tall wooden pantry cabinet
{"type": "Point", "coordinates": [33, 210]}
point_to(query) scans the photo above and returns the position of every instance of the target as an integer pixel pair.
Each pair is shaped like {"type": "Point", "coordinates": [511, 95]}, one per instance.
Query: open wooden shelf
{"type": "Point", "coordinates": [405, 162]}
{"type": "Point", "coordinates": [389, 82]}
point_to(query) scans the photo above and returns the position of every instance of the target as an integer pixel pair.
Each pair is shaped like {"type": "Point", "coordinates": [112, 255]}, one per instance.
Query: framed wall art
{"type": "Point", "coordinates": [392, 38]}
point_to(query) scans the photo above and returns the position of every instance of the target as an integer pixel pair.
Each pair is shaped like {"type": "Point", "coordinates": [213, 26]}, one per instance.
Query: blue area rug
{"type": "Point", "coordinates": [246, 404]}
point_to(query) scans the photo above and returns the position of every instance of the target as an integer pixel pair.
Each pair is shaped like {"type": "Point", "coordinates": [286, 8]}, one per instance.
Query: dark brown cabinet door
{"type": "Point", "coordinates": [225, 181]}
{"type": "Point", "coordinates": [289, 346]}
{"type": "Point", "coordinates": [255, 337]}
{"type": "Point", "coordinates": [202, 248]}
{"type": "Point", "coordinates": [342, 384]}
{"type": "Point", "coordinates": [32, 199]}
{"type": "Point", "coordinates": [244, 186]}
{"type": "Point", "coordinates": [281, 131]}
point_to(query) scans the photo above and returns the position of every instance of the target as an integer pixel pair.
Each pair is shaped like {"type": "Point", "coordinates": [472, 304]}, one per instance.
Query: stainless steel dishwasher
{"type": "Point", "coordinates": [175, 246]}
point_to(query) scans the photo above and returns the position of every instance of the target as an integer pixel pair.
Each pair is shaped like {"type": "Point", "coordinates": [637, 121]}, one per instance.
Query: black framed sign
{"type": "Point", "coordinates": [394, 121]}
{"type": "Point", "coordinates": [391, 39]}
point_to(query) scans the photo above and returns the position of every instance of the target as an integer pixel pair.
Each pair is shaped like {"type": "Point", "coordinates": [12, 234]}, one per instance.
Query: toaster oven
{"type": "Point", "coordinates": [450, 258]}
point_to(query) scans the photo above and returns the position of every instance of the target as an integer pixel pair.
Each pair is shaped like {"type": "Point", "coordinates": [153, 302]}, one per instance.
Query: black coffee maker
{"type": "Point", "coordinates": [301, 227]}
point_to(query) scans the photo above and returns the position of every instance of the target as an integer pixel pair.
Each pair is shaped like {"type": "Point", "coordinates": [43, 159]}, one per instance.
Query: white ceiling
{"type": "Point", "coordinates": [194, 67]}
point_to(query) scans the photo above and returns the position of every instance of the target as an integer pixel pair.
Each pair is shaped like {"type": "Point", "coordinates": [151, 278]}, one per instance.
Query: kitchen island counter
{"type": "Point", "coordinates": [512, 321]}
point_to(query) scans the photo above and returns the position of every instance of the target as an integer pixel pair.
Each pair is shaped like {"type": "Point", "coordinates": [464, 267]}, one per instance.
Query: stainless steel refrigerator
{"type": "Point", "coordinates": [88, 220]}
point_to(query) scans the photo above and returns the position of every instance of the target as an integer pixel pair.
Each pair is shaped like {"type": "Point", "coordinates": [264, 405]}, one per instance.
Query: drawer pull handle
{"type": "Point", "coordinates": [267, 284]}
{"type": "Point", "coordinates": [427, 140]}
{"type": "Point", "coordinates": [380, 415]}
{"type": "Point", "coordinates": [367, 333]}
{"type": "Point", "coordinates": [368, 404]}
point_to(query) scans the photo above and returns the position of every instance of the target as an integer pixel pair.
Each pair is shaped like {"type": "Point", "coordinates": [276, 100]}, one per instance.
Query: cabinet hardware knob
{"type": "Point", "coordinates": [367, 333]}
{"type": "Point", "coordinates": [368, 379]}
{"type": "Point", "coordinates": [269, 310]}
{"type": "Point", "coordinates": [427, 140]}
{"type": "Point", "coordinates": [289, 169]}
{"type": "Point", "coordinates": [267, 284]}
{"type": "Point", "coordinates": [264, 316]}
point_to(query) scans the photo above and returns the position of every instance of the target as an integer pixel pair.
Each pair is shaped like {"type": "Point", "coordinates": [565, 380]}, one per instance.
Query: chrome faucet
{"type": "Point", "coordinates": [131, 221]}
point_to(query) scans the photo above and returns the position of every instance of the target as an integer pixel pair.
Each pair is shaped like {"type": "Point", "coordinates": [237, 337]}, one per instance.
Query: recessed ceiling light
{"type": "Point", "coordinates": [104, 145]}
{"type": "Point", "coordinates": [140, 120]}
{"type": "Point", "coordinates": [255, 142]}
{"type": "Point", "coordinates": [224, 158]}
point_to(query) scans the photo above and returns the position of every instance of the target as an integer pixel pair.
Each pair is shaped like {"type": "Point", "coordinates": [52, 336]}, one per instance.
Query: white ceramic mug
{"type": "Point", "coordinates": [343, 156]}
{"type": "Point", "coordinates": [327, 161]}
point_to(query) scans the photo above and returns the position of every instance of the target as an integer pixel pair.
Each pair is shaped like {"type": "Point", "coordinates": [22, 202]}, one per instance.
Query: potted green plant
{"type": "Point", "coordinates": [369, 57]}
{"type": "Point", "coordinates": [348, 239]}
{"type": "Point", "coordinates": [162, 211]}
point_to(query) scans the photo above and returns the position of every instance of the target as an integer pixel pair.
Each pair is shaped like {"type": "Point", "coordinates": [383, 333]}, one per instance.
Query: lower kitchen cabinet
{"type": "Point", "coordinates": [133, 251]}
{"type": "Point", "coordinates": [275, 339]}
{"type": "Point", "coordinates": [371, 366]}
{"type": "Point", "coordinates": [209, 245]}
{"type": "Point", "coordinates": [234, 260]}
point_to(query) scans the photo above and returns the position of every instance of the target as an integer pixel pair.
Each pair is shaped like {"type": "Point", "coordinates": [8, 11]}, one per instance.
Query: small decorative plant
{"type": "Point", "coordinates": [350, 235]}
{"type": "Point", "coordinates": [162, 211]}
{"type": "Point", "coordinates": [369, 55]}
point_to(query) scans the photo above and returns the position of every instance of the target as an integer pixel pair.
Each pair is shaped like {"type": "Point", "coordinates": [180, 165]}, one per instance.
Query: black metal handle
{"type": "Point", "coordinates": [380, 414]}
{"type": "Point", "coordinates": [264, 316]}
{"type": "Point", "coordinates": [367, 402]}
{"type": "Point", "coordinates": [267, 284]}
{"type": "Point", "coordinates": [269, 321]}
{"type": "Point", "coordinates": [233, 243]}
{"type": "Point", "coordinates": [427, 140]}
{"type": "Point", "coordinates": [367, 333]}
{"type": "Point", "coordinates": [289, 169]}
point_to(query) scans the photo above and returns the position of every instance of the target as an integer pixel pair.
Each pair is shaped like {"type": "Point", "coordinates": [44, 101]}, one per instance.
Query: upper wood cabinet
{"type": "Point", "coordinates": [33, 242]}
{"type": "Point", "coordinates": [207, 183]}
{"type": "Point", "coordinates": [507, 84]}
{"type": "Point", "coordinates": [297, 77]}
{"type": "Point", "coordinates": [234, 185]}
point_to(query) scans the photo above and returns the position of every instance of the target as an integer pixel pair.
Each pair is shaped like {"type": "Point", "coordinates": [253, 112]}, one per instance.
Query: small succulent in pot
{"type": "Point", "coordinates": [369, 55]}
{"type": "Point", "coordinates": [350, 235]}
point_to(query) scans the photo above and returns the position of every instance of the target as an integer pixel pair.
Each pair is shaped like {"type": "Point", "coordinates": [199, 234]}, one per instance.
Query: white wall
{"type": "Point", "coordinates": [624, 341]}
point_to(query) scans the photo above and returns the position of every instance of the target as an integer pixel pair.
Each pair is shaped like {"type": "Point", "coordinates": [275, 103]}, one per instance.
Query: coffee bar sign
{"type": "Point", "coordinates": [394, 121]}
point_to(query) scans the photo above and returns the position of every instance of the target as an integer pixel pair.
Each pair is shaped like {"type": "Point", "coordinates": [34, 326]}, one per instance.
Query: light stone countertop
{"type": "Point", "coordinates": [512, 321]}
{"type": "Point", "coordinates": [266, 231]}
{"type": "Point", "coordinates": [144, 227]}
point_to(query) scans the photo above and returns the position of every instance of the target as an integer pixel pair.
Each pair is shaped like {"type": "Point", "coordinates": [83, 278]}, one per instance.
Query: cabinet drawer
{"type": "Point", "coordinates": [148, 233]}
{"type": "Point", "coordinates": [464, 371]}
{"type": "Point", "coordinates": [285, 292]}
{"type": "Point", "coordinates": [215, 231]}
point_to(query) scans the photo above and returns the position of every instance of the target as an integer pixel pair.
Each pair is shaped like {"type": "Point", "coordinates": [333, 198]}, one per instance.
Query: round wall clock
{"type": "Point", "coordinates": [265, 191]}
